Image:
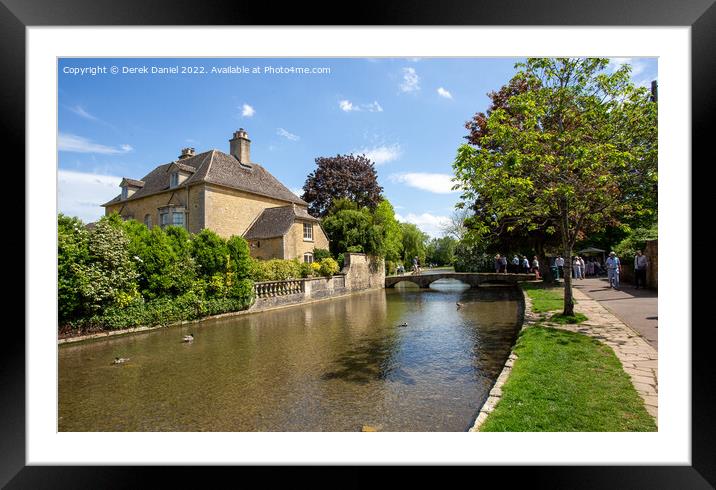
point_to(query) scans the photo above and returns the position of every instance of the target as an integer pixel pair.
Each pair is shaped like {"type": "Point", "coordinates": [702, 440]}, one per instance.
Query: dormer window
{"type": "Point", "coordinates": [174, 179]}
{"type": "Point", "coordinates": [130, 186]}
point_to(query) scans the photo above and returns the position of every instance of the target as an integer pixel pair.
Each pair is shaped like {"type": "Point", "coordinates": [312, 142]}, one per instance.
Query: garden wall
{"type": "Point", "coordinates": [360, 272]}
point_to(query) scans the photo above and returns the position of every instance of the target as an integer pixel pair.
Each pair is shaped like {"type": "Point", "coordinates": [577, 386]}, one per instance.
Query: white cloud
{"type": "Point", "coordinates": [437, 183]}
{"type": "Point", "coordinates": [80, 111]}
{"type": "Point", "coordinates": [373, 107]}
{"type": "Point", "coordinates": [247, 111]}
{"type": "Point", "coordinates": [81, 194]}
{"type": "Point", "coordinates": [287, 135]}
{"type": "Point", "coordinates": [427, 222]}
{"type": "Point", "coordinates": [348, 106]}
{"type": "Point", "coordinates": [444, 93]}
{"type": "Point", "coordinates": [411, 80]}
{"type": "Point", "coordinates": [382, 154]}
{"type": "Point", "coordinates": [79, 144]}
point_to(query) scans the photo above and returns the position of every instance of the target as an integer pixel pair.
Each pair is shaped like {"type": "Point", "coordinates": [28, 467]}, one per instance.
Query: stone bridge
{"type": "Point", "coordinates": [472, 278]}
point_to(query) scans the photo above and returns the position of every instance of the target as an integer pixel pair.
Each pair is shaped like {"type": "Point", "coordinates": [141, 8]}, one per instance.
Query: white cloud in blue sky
{"type": "Point", "coordinates": [79, 144]}
{"type": "Point", "coordinates": [81, 193]}
{"type": "Point", "coordinates": [348, 106]}
{"type": "Point", "coordinates": [247, 111]}
{"type": "Point", "coordinates": [80, 111]}
{"type": "Point", "coordinates": [442, 92]}
{"type": "Point", "coordinates": [287, 135]}
{"type": "Point", "coordinates": [382, 154]}
{"type": "Point", "coordinates": [430, 223]}
{"type": "Point", "coordinates": [431, 182]}
{"type": "Point", "coordinates": [411, 80]}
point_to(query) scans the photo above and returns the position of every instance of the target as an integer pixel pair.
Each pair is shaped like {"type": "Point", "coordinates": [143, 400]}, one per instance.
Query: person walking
{"type": "Point", "coordinates": [559, 262]}
{"type": "Point", "coordinates": [525, 264]}
{"type": "Point", "coordinates": [575, 268]}
{"type": "Point", "coordinates": [497, 263]}
{"type": "Point", "coordinates": [503, 264]}
{"type": "Point", "coordinates": [416, 266]}
{"type": "Point", "coordinates": [640, 265]}
{"type": "Point", "coordinates": [515, 264]}
{"type": "Point", "coordinates": [535, 266]}
{"type": "Point", "coordinates": [613, 268]}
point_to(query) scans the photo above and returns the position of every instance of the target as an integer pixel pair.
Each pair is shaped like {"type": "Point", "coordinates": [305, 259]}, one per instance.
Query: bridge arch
{"type": "Point", "coordinates": [472, 279]}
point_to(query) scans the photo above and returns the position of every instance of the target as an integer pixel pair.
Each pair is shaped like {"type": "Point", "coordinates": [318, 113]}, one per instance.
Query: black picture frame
{"type": "Point", "coordinates": [16, 15]}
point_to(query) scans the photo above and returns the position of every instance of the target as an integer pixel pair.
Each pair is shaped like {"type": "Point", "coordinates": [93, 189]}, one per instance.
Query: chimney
{"type": "Point", "coordinates": [186, 153]}
{"type": "Point", "coordinates": [240, 146]}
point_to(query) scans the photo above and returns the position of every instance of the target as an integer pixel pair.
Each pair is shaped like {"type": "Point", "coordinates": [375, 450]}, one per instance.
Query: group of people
{"type": "Point", "coordinates": [522, 265]}
{"type": "Point", "coordinates": [612, 266]}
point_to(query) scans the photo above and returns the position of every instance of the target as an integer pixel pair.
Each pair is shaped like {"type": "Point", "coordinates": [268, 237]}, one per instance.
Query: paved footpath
{"type": "Point", "coordinates": [637, 308]}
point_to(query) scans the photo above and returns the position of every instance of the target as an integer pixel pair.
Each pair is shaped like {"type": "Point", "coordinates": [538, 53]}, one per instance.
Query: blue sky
{"type": "Point", "coordinates": [407, 115]}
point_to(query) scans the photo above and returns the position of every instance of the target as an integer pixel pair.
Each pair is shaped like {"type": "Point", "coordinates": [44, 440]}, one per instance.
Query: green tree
{"type": "Point", "coordinates": [209, 251]}
{"type": "Point", "coordinates": [414, 243]}
{"type": "Point", "coordinates": [389, 241]}
{"type": "Point", "coordinates": [577, 150]}
{"type": "Point", "coordinates": [108, 276]}
{"type": "Point", "coordinates": [347, 226]}
{"type": "Point", "coordinates": [441, 251]}
{"type": "Point", "coordinates": [240, 256]}
{"type": "Point", "coordinates": [72, 250]}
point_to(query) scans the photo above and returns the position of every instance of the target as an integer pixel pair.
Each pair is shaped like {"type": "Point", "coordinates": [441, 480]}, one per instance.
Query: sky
{"type": "Point", "coordinates": [406, 114]}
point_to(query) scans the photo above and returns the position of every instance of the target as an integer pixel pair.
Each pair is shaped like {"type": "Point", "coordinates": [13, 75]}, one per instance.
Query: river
{"type": "Point", "coordinates": [334, 365]}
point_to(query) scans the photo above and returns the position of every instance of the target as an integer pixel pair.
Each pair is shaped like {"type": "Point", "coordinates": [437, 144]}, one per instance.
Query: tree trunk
{"type": "Point", "coordinates": [568, 299]}
{"type": "Point", "coordinates": [567, 245]}
{"type": "Point", "coordinates": [545, 270]}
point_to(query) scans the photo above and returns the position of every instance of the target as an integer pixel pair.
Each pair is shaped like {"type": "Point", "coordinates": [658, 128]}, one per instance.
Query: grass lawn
{"type": "Point", "coordinates": [544, 297]}
{"type": "Point", "coordinates": [567, 382]}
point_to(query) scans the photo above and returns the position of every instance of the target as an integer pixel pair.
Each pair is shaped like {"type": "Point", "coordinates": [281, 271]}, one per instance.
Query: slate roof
{"type": "Point", "coordinates": [216, 167]}
{"type": "Point", "coordinates": [275, 222]}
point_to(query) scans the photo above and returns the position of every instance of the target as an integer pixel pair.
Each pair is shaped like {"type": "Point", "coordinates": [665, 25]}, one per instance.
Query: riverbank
{"type": "Point", "coordinates": [259, 308]}
{"type": "Point", "coordinates": [360, 273]}
{"type": "Point", "coordinates": [596, 376]}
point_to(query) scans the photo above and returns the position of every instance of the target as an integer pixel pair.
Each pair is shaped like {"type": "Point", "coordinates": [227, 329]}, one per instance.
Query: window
{"type": "Point", "coordinates": [178, 218]}
{"type": "Point", "coordinates": [148, 220]}
{"type": "Point", "coordinates": [164, 218]}
{"type": "Point", "coordinates": [308, 231]}
{"type": "Point", "coordinates": [308, 257]}
{"type": "Point", "coordinates": [125, 192]}
{"type": "Point", "coordinates": [174, 179]}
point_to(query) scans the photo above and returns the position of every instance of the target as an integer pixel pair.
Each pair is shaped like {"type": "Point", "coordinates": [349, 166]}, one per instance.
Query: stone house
{"type": "Point", "coordinates": [228, 194]}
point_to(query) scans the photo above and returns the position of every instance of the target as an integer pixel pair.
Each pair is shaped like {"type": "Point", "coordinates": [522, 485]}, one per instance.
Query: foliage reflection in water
{"type": "Point", "coordinates": [329, 366]}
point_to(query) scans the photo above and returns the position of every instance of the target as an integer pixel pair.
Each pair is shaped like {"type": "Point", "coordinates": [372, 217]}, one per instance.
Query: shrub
{"type": "Point", "coordinates": [209, 251]}
{"type": "Point", "coordinates": [307, 269]}
{"type": "Point", "coordinates": [320, 254]}
{"type": "Point", "coordinates": [108, 269]}
{"type": "Point", "coordinates": [328, 267]}
{"type": "Point", "coordinates": [390, 267]}
{"type": "Point", "coordinates": [275, 270]}
{"type": "Point", "coordinates": [240, 256]}
{"type": "Point", "coordinates": [72, 250]}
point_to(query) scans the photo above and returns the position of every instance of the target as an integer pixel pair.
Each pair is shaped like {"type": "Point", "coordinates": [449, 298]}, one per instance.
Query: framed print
{"type": "Point", "coordinates": [186, 162]}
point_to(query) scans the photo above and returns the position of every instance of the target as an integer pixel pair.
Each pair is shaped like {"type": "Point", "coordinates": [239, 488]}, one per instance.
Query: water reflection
{"type": "Point", "coordinates": [328, 366]}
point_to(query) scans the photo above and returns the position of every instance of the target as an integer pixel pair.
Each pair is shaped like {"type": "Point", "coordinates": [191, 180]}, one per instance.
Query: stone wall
{"type": "Point", "coordinates": [363, 271]}
{"type": "Point", "coordinates": [652, 254]}
{"type": "Point", "coordinates": [267, 248]}
{"type": "Point", "coordinates": [359, 273]}
{"type": "Point", "coordinates": [191, 199]}
{"type": "Point", "coordinates": [294, 246]}
{"type": "Point", "coordinates": [231, 212]}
